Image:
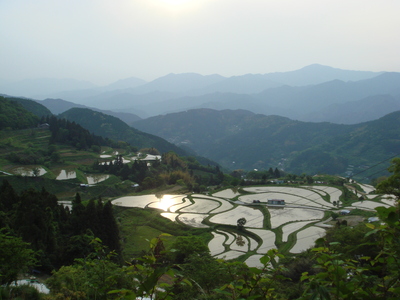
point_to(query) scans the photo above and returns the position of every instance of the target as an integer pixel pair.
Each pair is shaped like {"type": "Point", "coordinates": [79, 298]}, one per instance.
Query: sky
{"type": "Point", "coordinates": [103, 41]}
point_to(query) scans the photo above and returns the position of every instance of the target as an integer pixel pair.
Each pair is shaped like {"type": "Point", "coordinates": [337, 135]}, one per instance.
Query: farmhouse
{"type": "Point", "coordinates": [44, 126]}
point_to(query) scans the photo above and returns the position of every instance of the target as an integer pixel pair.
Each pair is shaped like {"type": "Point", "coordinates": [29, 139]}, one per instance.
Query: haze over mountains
{"type": "Point", "coordinates": [314, 93]}
{"type": "Point", "coordinates": [241, 139]}
{"type": "Point", "coordinates": [249, 121]}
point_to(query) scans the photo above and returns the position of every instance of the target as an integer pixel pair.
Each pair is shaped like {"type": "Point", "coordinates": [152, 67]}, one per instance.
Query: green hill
{"type": "Point", "coordinates": [30, 105]}
{"type": "Point", "coordinates": [113, 128]}
{"type": "Point", "coordinates": [14, 116]}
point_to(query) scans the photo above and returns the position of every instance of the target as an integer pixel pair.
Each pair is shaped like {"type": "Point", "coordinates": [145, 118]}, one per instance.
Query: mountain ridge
{"type": "Point", "coordinates": [242, 139]}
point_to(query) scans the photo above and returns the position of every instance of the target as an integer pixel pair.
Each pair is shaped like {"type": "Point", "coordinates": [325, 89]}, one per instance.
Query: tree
{"type": "Point", "coordinates": [277, 174]}
{"type": "Point", "coordinates": [392, 184]}
{"type": "Point", "coordinates": [35, 172]}
{"type": "Point", "coordinates": [15, 257]}
{"type": "Point", "coordinates": [184, 246]}
{"type": "Point", "coordinates": [241, 222]}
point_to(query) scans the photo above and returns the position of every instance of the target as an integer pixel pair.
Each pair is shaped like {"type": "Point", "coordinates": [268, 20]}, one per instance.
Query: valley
{"type": "Point", "coordinates": [236, 187]}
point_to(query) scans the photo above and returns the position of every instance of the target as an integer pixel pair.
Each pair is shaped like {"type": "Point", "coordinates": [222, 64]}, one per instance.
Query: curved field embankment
{"type": "Point", "coordinates": [263, 229]}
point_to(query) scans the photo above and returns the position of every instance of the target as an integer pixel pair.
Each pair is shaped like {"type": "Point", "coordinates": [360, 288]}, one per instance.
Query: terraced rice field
{"type": "Point", "coordinates": [228, 193]}
{"type": "Point", "coordinates": [306, 238]}
{"type": "Point", "coordinates": [369, 205]}
{"type": "Point", "coordinates": [304, 205]}
{"type": "Point", "coordinates": [367, 188]}
{"type": "Point", "coordinates": [28, 170]}
{"type": "Point", "coordinates": [194, 220]}
{"type": "Point", "coordinates": [201, 206]}
{"type": "Point", "coordinates": [286, 215]}
{"type": "Point", "coordinates": [253, 216]}
{"type": "Point", "coordinates": [292, 227]}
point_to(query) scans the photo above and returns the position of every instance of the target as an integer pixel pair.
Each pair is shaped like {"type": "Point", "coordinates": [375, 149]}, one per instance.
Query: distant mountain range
{"type": "Point", "coordinates": [58, 106]}
{"type": "Point", "coordinates": [316, 119]}
{"type": "Point", "coordinates": [306, 94]}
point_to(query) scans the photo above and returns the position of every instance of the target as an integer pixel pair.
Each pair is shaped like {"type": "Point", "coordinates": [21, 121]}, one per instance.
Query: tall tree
{"type": "Point", "coordinates": [391, 185]}
{"type": "Point", "coordinates": [15, 257]}
{"type": "Point", "coordinates": [277, 174]}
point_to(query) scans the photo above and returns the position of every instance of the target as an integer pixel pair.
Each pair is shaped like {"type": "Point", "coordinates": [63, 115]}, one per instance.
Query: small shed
{"type": "Point", "coordinates": [344, 212]}
{"type": "Point", "coordinates": [276, 202]}
{"type": "Point", "coordinates": [44, 126]}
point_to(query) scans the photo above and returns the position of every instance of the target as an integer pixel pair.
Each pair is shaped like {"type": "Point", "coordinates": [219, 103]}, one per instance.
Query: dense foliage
{"type": "Point", "coordinates": [244, 140]}
{"type": "Point", "coordinates": [170, 169]}
{"type": "Point", "coordinates": [113, 128]}
{"type": "Point", "coordinates": [70, 133]}
{"type": "Point", "coordinates": [57, 234]}
{"type": "Point", "coordinates": [33, 106]}
{"type": "Point", "coordinates": [15, 116]}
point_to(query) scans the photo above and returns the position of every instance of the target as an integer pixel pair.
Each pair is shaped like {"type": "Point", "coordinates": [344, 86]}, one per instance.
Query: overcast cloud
{"type": "Point", "coordinates": [103, 40]}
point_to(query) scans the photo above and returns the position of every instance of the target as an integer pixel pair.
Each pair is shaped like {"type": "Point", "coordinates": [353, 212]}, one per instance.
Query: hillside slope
{"type": "Point", "coordinates": [241, 139]}
{"type": "Point", "coordinates": [30, 105]}
{"type": "Point", "coordinates": [14, 116]}
{"type": "Point", "coordinates": [113, 128]}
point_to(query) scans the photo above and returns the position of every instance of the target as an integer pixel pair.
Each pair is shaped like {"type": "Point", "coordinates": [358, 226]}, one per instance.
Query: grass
{"type": "Point", "coordinates": [136, 240]}
{"type": "Point", "coordinates": [139, 225]}
{"type": "Point", "coordinates": [363, 213]}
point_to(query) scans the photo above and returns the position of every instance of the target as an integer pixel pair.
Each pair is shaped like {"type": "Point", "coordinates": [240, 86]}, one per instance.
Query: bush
{"type": "Point", "coordinates": [24, 291]}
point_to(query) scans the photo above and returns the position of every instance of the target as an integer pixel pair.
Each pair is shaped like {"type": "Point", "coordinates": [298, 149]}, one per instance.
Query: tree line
{"type": "Point", "coordinates": [57, 234]}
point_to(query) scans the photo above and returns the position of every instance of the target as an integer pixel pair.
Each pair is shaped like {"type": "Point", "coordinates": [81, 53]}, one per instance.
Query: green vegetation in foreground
{"type": "Point", "coordinates": [138, 226]}
{"type": "Point", "coordinates": [182, 267]}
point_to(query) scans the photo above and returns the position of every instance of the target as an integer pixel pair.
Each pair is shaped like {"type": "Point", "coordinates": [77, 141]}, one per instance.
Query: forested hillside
{"type": "Point", "coordinates": [15, 116]}
{"type": "Point", "coordinates": [244, 140]}
{"type": "Point", "coordinates": [30, 105]}
{"type": "Point", "coordinates": [113, 128]}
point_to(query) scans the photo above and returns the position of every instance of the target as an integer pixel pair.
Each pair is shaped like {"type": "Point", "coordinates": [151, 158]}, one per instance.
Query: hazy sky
{"type": "Point", "coordinates": [106, 40]}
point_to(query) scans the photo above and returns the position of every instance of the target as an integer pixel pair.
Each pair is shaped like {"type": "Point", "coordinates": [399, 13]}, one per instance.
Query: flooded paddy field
{"type": "Point", "coordinates": [171, 216]}
{"type": "Point", "coordinates": [96, 178]}
{"type": "Point", "coordinates": [306, 238]}
{"type": "Point", "coordinates": [292, 227]}
{"type": "Point", "coordinates": [201, 206]}
{"type": "Point", "coordinates": [304, 206]}
{"type": "Point", "coordinates": [254, 261]}
{"type": "Point", "coordinates": [194, 220]}
{"type": "Point", "coordinates": [286, 215]}
{"type": "Point", "coordinates": [65, 175]}
{"type": "Point", "coordinates": [254, 217]}
{"type": "Point", "coordinates": [267, 237]}
{"type": "Point", "coordinates": [370, 205]}
{"type": "Point", "coordinates": [166, 202]}
{"type": "Point", "coordinates": [216, 245]}
{"type": "Point", "coordinates": [228, 193]}
{"type": "Point", "coordinates": [224, 206]}
{"type": "Point", "coordinates": [28, 171]}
